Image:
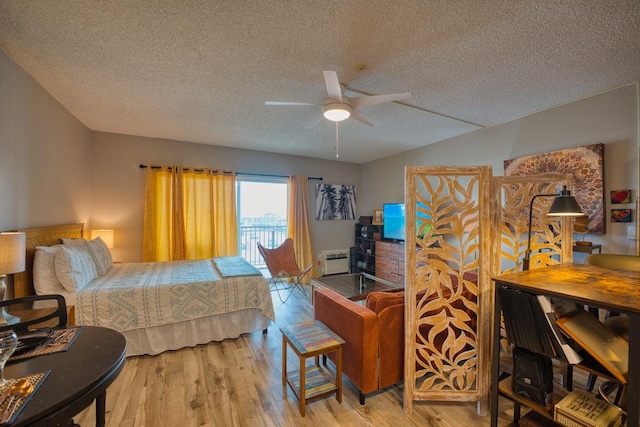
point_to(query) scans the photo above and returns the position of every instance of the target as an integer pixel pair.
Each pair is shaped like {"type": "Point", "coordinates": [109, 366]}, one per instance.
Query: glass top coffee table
{"type": "Point", "coordinates": [355, 286]}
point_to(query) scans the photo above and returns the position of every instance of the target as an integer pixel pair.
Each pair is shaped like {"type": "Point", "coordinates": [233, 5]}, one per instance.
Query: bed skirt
{"type": "Point", "coordinates": [155, 340]}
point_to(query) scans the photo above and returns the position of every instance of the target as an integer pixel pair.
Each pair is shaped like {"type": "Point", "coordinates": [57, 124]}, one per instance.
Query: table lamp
{"type": "Point", "coordinates": [12, 260]}
{"type": "Point", "coordinates": [564, 205]}
{"type": "Point", "coordinates": [105, 235]}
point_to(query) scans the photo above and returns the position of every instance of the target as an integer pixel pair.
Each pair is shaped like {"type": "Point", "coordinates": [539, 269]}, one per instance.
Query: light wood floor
{"type": "Point", "coordinates": [238, 383]}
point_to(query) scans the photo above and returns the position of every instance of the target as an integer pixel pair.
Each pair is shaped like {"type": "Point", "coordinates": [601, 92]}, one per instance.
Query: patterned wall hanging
{"type": "Point", "coordinates": [585, 165]}
{"type": "Point", "coordinates": [335, 201]}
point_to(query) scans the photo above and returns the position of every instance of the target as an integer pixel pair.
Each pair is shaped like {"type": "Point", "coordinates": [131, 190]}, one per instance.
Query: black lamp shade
{"type": "Point", "coordinates": [565, 205]}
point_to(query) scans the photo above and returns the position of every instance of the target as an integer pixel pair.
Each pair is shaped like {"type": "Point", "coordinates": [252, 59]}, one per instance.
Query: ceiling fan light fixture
{"type": "Point", "coordinates": [336, 111]}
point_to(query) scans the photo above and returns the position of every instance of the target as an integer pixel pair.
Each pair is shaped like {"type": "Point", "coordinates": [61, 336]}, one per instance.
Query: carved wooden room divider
{"type": "Point", "coordinates": [511, 202]}
{"type": "Point", "coordinates": [468, 227]}
{"type": "Point", "coordinates": [448, 295]}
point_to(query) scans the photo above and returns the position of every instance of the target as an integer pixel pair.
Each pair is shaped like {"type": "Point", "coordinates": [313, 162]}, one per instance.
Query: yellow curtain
{"type": "Point", "coordinates": [163, 232]}
{"type": "Point", "coordinates": [198, 213]}
{"type": "Point", "coordinates": [189, 214]}
{"type": "Point", "coordinates": [299, 225]}
{"type": "Point", "coordinates": [225, 219]}
{"type": "Point", "coordinates": [177, 231]}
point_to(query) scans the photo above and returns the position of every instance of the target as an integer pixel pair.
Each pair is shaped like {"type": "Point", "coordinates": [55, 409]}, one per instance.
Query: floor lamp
{"type": "Point", "coordinates": [563, 205]}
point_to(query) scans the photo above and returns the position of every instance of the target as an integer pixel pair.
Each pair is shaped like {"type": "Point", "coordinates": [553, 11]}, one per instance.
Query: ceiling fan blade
{"type": "Point", "coordinates": [364, 101]}
{"type": "Point", "coordinates": [333, 85]}
{"type": "Point", "coordinates": [314, 122]}
{"type": "Point", "coordinates": [286, 103]}
{"type": "Point", "coordinates": [357, 115]}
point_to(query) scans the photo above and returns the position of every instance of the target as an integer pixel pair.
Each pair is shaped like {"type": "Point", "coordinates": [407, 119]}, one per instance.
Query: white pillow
{"type": "Point", "coordinates": [101, 255]}
{"type": "Point", "coordinates": [74, 242]}
{"type": "Point", "coordinates": [45, 280]}
{"type": "Point", "coordinates": [75, 267]}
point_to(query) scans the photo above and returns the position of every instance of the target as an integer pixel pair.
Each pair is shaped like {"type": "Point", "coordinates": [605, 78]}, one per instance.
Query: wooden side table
{"type": "Point", "coordinates": [311, 339]}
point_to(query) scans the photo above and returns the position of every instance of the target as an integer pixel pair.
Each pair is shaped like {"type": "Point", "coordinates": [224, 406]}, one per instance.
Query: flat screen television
{"type": "Point", "coordinates": [394, 220]}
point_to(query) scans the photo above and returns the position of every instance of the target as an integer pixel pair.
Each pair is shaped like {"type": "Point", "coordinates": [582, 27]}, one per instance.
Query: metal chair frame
{"type": "Point", "coordinates": [9, 321]}
{"type": "Point", "coordinates": [286, 275]}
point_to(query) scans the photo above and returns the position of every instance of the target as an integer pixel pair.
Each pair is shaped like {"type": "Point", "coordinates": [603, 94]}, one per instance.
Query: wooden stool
{"type": "Point", "coordinates": [311, 339]}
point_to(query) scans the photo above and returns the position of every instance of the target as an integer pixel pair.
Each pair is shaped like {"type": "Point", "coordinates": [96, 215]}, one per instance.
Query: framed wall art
{"type": "Point", "coordinates": [335, 202]}
{"type": "Point", "coordinates": [585, 164]}
{"type": "Point", "coordinates": [621, 215]}
{"type": "Point", "coordinates": [378, 217]}
{"type": "Point", "coordinates": [620, 196]}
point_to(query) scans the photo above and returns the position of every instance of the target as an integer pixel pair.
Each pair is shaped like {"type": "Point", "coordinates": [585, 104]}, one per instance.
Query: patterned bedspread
{"type": "Point", "coordinates": [140, 295]}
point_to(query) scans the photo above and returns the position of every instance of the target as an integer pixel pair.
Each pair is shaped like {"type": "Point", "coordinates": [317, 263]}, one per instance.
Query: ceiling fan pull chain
{"type": "Point", "coordinates": [337, 142]}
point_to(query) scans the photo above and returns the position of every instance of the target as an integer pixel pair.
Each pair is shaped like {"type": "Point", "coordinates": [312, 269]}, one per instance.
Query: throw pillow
{"type": "Point", "coordinates": [75, 267]}
{"type": "Point", "coordinates": [74, 242]}
{"type": "Point", "coordinates": [101, 255]}
{"type": "Point", "coordinates": [45, 281]}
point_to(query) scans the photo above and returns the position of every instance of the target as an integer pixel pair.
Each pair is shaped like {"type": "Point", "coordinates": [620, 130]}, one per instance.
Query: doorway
{"type": "Point", "coordinates": [262, 215]}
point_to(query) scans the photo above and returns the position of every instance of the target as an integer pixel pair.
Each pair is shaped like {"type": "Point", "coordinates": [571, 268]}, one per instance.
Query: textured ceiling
{"type": "Point", "coordinates": [201, 71]}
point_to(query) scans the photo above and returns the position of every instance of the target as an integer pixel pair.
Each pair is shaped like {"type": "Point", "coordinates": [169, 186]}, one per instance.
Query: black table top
{"type": "Point", "coordinates": [77, 377]}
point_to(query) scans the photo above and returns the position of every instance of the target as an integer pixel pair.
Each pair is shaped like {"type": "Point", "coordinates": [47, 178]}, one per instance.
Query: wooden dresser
{"type": "Point", "coordinates": [390, 261]}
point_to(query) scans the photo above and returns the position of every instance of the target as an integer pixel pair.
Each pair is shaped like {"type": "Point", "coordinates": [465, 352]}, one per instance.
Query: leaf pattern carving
{"type": "Point", "coordinates": [514, 223]}
{"type": "Point", "coordinates": [468, 227]}
{"type": "Point", "coordinates": [446, 288]}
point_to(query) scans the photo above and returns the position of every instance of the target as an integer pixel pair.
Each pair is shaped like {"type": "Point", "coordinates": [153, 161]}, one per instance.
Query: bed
{"type": "Point", "coordinates": [159, 306]}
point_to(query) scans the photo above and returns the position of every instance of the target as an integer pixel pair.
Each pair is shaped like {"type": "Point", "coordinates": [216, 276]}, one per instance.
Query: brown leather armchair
{"type": "Point", "coordinates": [373, 354]}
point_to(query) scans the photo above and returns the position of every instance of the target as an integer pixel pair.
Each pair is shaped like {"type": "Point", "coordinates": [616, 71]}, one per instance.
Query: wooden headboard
{"type": "Point", "coordinates": [41, 236]}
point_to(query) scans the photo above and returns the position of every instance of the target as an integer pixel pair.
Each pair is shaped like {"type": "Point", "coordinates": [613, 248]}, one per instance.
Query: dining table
{"type": "Point", "coordinates": [72, 379]}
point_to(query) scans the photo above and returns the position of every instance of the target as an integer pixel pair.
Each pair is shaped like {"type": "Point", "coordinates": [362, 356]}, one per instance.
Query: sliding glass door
{"type": "Point", "coordinates": [262, 215]}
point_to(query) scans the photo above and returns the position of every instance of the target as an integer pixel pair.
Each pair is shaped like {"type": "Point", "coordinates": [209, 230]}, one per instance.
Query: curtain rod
{"type": "Point", "coordinates": [239, 173]}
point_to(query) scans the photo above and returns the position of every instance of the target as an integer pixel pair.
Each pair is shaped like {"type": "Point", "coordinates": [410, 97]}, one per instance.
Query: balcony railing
{"type": "Point", "coordinates": [269, 236]}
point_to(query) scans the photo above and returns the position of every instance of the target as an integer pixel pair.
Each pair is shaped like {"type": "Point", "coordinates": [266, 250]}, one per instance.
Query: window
{"type": "Point", "coordinates": [262, 215]}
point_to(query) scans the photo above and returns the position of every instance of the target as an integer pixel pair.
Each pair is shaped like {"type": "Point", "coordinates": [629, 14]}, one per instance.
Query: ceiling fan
{"type": "Point", "coordinates": [337, 107]}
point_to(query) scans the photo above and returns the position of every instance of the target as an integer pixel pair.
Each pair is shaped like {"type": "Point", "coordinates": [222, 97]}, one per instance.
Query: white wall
{"type": "Point", "coordinates": [610, 118]}
{"type": "Point", "coordinates": [118, 183]}
{"type": "Point", "coordinates": [45, 155]}
{"type": "Point", "coordinates": [53, 170]}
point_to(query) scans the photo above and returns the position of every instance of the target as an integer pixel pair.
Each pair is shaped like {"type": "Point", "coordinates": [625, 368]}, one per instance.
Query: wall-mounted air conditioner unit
{"type": "Point", "coordinates": [334, 261]}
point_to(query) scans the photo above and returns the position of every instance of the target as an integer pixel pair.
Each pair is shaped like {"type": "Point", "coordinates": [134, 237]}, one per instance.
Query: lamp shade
{"type": "Point", "coordinates": [565, 205]}
{"type": "Point", "coordinates": [105, 235]}
{"type": "Point", "coordinates": [12, 253]}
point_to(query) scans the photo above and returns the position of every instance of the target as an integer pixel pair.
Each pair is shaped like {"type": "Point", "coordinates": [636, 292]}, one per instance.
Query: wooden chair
{"type": "Point", "coordinates": [281, 262]}
{"type": "Point", "coordinates": [32, 312]}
